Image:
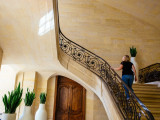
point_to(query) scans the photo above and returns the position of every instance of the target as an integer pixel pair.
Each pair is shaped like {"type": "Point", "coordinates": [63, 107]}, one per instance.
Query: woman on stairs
{"type": "Point", "coordinates": [127, 74]}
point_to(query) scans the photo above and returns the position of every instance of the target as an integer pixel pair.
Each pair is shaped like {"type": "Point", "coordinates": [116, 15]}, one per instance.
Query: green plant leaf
{"type": "Point", "coordinates": [43, 98]}
{"type": "Point", "coordinates": [133, 51]}
{"type": "Point", "coordinates": [13, 100]}
{"type": "Point", "coordinates": [30, 96]}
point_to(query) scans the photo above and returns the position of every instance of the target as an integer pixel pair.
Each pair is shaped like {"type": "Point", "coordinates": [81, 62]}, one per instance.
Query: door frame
{"type": "Point", "coordinates": [55, 99]}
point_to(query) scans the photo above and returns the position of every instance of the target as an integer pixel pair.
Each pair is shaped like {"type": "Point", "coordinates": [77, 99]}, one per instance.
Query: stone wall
{"type": "Point", "coordinates": [1, 55]}
{"type": "Point", "coordinates": [108, 31]}
{"type": "Point", "coordinates": [27, 80]}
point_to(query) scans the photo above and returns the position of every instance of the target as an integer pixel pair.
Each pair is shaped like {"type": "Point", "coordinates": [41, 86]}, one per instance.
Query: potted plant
{"type": "Point", "coordinates": [11, 102]}
{"type": "Point", "coordinates": [41, 114]}
{"type": "Point", "coordinates": [133, 52]}
{"type": "Point", "coordinates": [27, 113]}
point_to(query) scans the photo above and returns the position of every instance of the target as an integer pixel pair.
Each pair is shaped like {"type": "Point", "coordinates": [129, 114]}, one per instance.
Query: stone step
{"type": "Point", "coordinates": [147, 96]}
{"type": "Point", "coordinates": [152, 105]}
{"type": "Point", "coordinates": [146, 89]}
{"type": "Point", "coordinates": [150, 100]}
{"type": "Point", "coordinates": [156, 118]}
{"type": "Point", "coordinates": [146, 92]}
{"type": "Point", "coordinates": [139, 84]}
{"type": "Point", "coordinates": [155, 112]}
{"type": "Point", "coordinates": [145, 86]}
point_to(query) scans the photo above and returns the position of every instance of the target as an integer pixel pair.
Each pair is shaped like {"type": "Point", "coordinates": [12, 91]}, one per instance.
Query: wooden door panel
{"type": "Point", "coordinates": [63, 98]}
{"type": "Point", "coordinates": [70, 101]}
{"type": "Point", "coordinates": [76, 117]}
{"type": "Point", "coordinates": [61, 116]}
{"type": "Point", "coordinates": [77, 101]}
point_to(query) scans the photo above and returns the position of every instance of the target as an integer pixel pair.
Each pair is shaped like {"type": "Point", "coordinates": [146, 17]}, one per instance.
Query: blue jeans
{"type": "Point", "coordinates": [128, 79]}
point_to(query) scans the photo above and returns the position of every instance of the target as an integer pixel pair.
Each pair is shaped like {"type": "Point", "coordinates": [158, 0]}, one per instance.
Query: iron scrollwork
{"type": "Point", "coordinates": [133, 109]}
{"type": "Point", "coordinates": [150, 73]}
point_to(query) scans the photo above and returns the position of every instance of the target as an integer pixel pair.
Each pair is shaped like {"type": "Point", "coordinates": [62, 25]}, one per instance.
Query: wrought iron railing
{"type": "Point", "coordinates": [150, 73]}
{"type": "Point", "coordinates": [132, 109]}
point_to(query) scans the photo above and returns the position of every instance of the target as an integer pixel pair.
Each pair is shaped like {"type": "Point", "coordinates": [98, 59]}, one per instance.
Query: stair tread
{"type": "Point", "coordinates": [148, 96]}
{"type": "Point", "coordinates": [153, 106]}
{"type": "Point", "coordinates": [142, 84]}
{"type": "Point", "coordinates": [147, 90]}
{"type": "Point", "coordinates": [155, 112]}
{"type": "Point", "coordinates": [152, 88]}
{"type": "Point", "coordinates": [150, 100]}
{"type": "Point", "coordinates": [155, 117]}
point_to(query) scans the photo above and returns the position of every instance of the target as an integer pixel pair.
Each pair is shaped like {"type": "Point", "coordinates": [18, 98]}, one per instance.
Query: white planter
{"type": "Point", "coordinates": [41, 114]}
{"type": "Point", "coordinates": [133, 60]}
{"type": "Point", "coordinates": [8, 116]}
{"type": "Point", "coordinates": [27, 114]}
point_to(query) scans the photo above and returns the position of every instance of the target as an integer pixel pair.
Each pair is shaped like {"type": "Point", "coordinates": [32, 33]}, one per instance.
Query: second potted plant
{"type": "Point", "coordinates": [27, 113]}
{"type": "Point", "coordinates": [41, 114]}
{"type": "Point", "coordinates": [133, 52]}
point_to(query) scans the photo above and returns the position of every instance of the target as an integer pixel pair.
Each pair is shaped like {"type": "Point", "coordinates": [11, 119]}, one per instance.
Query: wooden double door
{"type": "Point", "coordinates": [70, 100]}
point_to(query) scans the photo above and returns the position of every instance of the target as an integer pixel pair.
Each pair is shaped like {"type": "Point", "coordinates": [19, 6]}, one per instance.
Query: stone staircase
{"type": "Point", "coordinates": [150, 96]}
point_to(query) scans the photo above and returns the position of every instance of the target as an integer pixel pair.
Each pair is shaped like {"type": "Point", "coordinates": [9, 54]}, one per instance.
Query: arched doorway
{"type": "Point", "coordinates": [70, 100]}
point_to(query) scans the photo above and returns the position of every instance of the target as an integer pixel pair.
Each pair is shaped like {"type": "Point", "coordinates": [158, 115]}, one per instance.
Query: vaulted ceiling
{"type": "Point", "coordinates": [27, 33]}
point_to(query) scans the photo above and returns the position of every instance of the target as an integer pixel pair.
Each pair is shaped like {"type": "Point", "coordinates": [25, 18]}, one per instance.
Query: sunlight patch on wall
{"type": "Point", "coordinates": [46, 23]}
